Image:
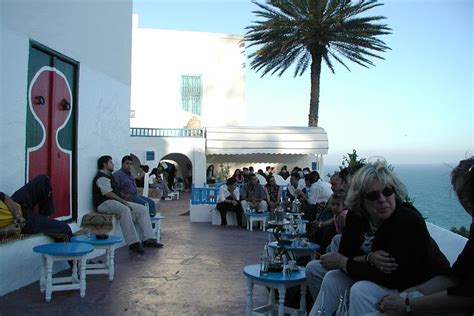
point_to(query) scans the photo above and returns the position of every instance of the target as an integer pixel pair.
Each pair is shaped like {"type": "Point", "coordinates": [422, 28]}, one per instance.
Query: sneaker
{"type": "Point", "coordinates": [136, 247]}
{"type": "Point", "coordinates": [152, 243]}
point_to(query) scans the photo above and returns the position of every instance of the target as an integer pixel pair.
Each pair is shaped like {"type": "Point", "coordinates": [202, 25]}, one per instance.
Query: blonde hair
{"type": "Point", "coordinates": [360, 182]}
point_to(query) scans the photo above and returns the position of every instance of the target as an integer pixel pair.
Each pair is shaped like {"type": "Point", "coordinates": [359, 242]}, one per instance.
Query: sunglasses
{"type": "Point", "coordinates": [374, 195]}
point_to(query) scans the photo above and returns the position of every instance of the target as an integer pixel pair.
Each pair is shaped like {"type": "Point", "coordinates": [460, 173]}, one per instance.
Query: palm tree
{"type": "Point", "coordinates": [306, 32]}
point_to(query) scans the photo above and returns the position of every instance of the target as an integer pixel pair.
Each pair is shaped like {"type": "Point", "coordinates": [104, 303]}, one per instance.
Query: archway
{"type": "Point", "coordinates": [181, 162]}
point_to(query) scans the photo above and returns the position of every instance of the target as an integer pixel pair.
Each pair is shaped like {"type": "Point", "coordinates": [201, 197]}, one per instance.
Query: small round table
{"type": "Point", "coordinates": [253, 216]}
{"type": "Point", "coordinates": [63, 251]}
{"type": "Point", "coordinates": [108, 245]}
{"type": "Point", "coordinates": [298, 250]}
{"type": "Point", "coordinates": [274, 280]}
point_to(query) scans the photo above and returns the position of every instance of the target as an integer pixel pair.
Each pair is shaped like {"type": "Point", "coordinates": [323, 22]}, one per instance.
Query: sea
{"type": "Point", "coordinates": [430, 188]}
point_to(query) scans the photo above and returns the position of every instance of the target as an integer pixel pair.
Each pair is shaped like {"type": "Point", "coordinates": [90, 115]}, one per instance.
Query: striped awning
{"type": "Point", "coordinates": [266, 140]}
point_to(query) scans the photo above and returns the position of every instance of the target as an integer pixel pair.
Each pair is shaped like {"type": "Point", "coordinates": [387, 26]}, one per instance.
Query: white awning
{"type": "Point", "coordinates": [266, 140]}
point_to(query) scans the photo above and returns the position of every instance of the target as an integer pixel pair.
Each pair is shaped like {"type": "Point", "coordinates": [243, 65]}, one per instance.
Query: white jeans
{"type": "Point", "coordinates": [314, 277]}
{"type": "Point", "coordinates": [262, 205]}
{"type": "Point", "coordinates": [138, 215]}
{"type": "Point", "coordinates": [363, 295]}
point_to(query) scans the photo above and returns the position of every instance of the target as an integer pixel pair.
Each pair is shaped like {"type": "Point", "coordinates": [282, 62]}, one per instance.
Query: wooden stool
{"type": "Point", "coordinates": [63, 251]}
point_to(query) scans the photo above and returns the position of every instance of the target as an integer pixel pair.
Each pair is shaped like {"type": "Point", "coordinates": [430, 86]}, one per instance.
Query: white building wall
{"type": "Point", "coordinates": [161, 57]}
{"type": "Point", "coordinates": [97, 34]}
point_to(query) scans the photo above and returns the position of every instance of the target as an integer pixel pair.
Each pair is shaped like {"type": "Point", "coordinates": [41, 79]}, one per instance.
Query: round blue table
{"type": "Point", "coordinates": [63, 251]}
{"type": "Point", "coordinates": [274, 280]}
{"type": "Point", "coordinates": [108, 245]}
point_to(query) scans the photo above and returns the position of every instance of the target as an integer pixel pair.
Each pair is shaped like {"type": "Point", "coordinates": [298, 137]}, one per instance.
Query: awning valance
{"type": "Point", "coordinates": [266, 140]}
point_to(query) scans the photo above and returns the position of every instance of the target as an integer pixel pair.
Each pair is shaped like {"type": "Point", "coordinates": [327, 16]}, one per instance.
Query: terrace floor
{"type": "Point", "coordinates": [197, 272]}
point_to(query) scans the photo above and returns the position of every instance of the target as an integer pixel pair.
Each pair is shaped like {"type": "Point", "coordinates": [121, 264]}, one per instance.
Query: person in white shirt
{"type": "Point", "coordinates": [319, 193]}
{"type": "Point", "coordinates": [228, 200]}
{"type": "Point", "coordinates": [155, 182]}
{"type": "Point", "coordinates": [296, 184]}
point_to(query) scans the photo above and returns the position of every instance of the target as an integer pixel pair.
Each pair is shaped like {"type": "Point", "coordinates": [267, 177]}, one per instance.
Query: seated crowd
{"type": "Point", "coordinates": [375, 246]}
{"type": "Point", "coordinates": [385, 260]}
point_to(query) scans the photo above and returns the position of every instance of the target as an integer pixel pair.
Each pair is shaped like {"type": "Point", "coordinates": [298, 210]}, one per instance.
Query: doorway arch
{"type": "Point", "coordinates": [180, 161]}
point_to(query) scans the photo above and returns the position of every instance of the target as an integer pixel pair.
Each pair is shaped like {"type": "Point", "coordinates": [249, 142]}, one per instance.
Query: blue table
{"type": "Point", "coordinates": [58, 252]}
{"type": "Point", "coordinates": [108, 245]}
{"type": "Point", "coordinates": [256, 217]}
{"type": "Point", "coordinates": [309, 249]}
{"type": "Point", "coordinates": [274, 280]}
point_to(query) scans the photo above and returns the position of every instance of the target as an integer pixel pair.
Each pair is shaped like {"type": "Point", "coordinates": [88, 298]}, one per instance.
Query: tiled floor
{"type": "Point", "coordinates": [197, 272]}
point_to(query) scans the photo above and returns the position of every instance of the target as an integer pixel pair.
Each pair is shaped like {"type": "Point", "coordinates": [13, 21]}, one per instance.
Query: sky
{"type": "Point", "coordinates": [416, 106]}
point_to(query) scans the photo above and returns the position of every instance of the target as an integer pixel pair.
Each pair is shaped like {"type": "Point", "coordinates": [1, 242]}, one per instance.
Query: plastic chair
{"type": "Point", "coordinates": [261, 179]}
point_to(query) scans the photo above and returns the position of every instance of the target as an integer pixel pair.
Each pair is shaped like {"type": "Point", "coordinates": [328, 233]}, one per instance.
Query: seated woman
{"type": "Point", "coordinates": [385, 246]}
{"type": "Point", "coordinates": [454, 293]}
{"type": "Point", "coordinates": [28, 211]}
{"type": "Point", "coordinates": [238, 176]}
{"type": "Point", "coordinates": [272, 193]}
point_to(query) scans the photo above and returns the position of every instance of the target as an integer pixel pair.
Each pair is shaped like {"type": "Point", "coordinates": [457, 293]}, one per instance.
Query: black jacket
{"type": "Point", "coordinates": [405, 237]}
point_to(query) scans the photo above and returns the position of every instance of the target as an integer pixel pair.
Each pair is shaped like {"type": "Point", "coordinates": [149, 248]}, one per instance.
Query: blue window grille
{"type": "Point", "coordinates": [150, 155]}
{"type": "Point", "coordinates": [191, 93]}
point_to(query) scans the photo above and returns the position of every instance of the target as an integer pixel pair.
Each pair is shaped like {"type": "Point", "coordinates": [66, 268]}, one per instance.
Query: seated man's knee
{"type": "Point", "coordinates": [314, 269]}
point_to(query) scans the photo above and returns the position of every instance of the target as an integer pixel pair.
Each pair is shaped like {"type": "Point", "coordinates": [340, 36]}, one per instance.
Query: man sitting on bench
{"type": "Point", "coordinates": [107, 200]}
{"type": "Point", "coordinates": [17, 214]}
{"type": "Point", "coordinates": [228, 200]}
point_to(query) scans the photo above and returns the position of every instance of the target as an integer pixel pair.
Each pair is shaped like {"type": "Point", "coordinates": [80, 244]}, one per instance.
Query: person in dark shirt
{"type": "Point", "coordinates": [29, 209]}
{"type": "Point", "coordinates": [252, 196]}
{"type": "Point", "coordinates": [385, 246]}
{"type": "Point", "coordinates": [454, 293]}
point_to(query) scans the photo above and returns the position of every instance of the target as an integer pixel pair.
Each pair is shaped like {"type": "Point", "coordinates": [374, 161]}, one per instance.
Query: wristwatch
{"type": "Point", "coordinates": [407, 305]}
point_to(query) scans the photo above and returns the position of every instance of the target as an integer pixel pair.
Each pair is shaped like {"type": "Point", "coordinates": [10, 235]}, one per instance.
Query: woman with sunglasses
{"type": "Point", "coordinates": [455, 293]}
{"type": "Point", "coordinates": [385, 246]}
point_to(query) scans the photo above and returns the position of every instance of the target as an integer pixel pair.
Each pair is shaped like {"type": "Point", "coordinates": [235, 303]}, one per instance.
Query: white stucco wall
{"type": "Point", "coordinates": [193, 148]}
{"type": "Point", "coordinates": [161, 57]}
{"type": "Point", "coordinates": [97, 34]}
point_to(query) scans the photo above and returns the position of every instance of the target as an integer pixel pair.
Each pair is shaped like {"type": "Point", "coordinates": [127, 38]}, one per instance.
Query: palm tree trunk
{"type": "Point", "coordinates": [314, 98]}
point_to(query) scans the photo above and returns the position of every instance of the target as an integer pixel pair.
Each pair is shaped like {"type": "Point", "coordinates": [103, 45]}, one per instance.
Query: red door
{"type": "Point", "coordinates": [50, 126]}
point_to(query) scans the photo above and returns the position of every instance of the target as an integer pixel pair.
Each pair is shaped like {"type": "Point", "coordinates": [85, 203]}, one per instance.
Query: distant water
{"type": "Point", "coordinates": [430, 187]}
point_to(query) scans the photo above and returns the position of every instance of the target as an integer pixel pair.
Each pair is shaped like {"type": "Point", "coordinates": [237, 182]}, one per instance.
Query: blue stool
{"type": "Point", "coordinates": [63, 251]}
{"type": "Point", "coordinates": [108, 245]}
